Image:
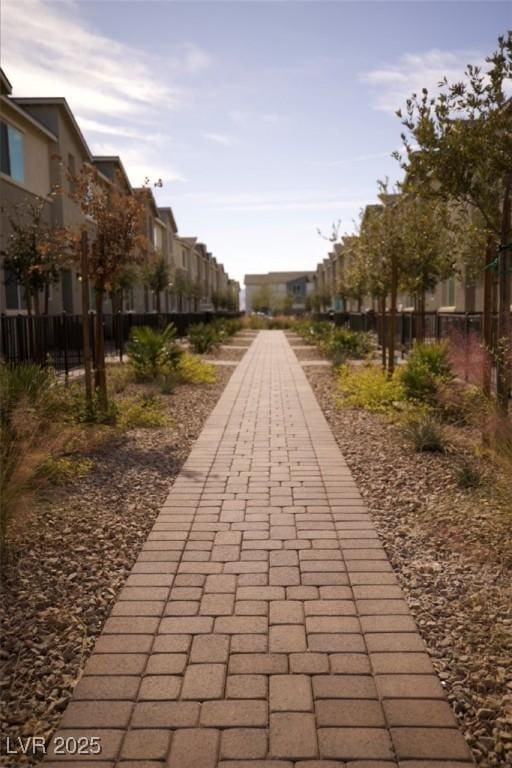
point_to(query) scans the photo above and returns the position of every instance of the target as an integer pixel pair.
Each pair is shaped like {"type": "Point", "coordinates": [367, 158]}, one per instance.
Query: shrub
{"type": "Point", "coordinates": [342, 344]}
{"type": "Point", "coordinates": [427, 366]}
{"type": "Point", "coordinates": [369, 388]}
{"type": "Point", "coordinates": [28, 410]}
{"type": "Point", "coordinates": [314, 331]}
{"type": "Point", "coordinates": [257, 323]}
{"type": "Point", "coordinates": [119, 377]}
{"type": "Point", "coordinates": [460, 404]}
{"type": "Point", "coordinates": [152, 352]}
{"type": "Point", "coordinates": [203, 337]}
{"type": "Point", "coordinates": [467, 474]}
{"type": "Point", "coordinates": [141, 411]}
{"type": "Point", "coordinates": [226, 327]}
{"type": "Point", "coordinates": [280, 323]}
{"type": "Point", "coordinates": [193, 370]}
{"type": "Point", "coordinates": [426, 434]}
{"type": "Point", "coordinates": [62, 469]}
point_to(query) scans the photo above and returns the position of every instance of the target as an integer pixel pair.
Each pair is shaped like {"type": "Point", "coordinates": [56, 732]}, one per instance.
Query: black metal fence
{"type": "Point", "coordinates": [438, 325]}
{"type": "Point", "coordinates": [57, 339]}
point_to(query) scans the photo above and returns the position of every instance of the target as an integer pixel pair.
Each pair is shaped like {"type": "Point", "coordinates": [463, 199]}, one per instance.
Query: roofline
{"type": "Point", "coordinates": [57, 101]}
{"type": "Point", "coordinates": [6, 80]}
{"type": "Point", "coordinates": [168, 209]}
{"type": "Point", "coordinates": [151, 196]}
{"type": "Point", "coordinates": [11, 102]}
{"type": "Point", "coordinates": [113, 159]}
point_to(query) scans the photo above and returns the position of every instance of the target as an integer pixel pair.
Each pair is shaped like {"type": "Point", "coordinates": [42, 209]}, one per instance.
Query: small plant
{"type": "Point", "coordinates": [467, 474]}
{"type": "Point", "coordinates": [119, 377]}
{"type": "Point", "coordinates": [28, 412]}
{"type": "Point", "coordinates": [152, 353]}
{"type": "Point", "coordinates": [203, 337]}
{"type": "Point", "coordinates": [427, 366]}
{"type": "Point", "coordinates": [426, 434]}
{"type": "Point", "coordinates": [62, 469]}
{"type": "Point", "coordinates": [193, 370]}
{"type": "Point", "coordinates": [144, 411]}
{"type": "Point", "coordinates": [369, 388]}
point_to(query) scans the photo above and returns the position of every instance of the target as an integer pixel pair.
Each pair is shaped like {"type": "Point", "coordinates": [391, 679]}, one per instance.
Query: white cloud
{"type": "Point", "coordinates": [220, 138]}
{"type": "Point", "coordinates": [305, 200]}
{"type": "Point", "coordinates": [395, 83]}
{"type": "Point", "coordinates": [48, 50]}
{"type": "Point", "coordinates": [192, 59]}
{"type": "Point", "coordinates": [141, 163]}
{"type": "Point", "coordinates": [115, 90]}
{"type": "Point", "coordinates": [93, 127]}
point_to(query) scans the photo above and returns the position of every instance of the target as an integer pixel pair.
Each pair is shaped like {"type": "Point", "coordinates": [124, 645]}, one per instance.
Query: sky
{"type": "Point", "coordinates": [265, 120]}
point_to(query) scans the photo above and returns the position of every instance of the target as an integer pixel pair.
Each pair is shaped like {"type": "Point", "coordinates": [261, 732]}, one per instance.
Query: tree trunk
{"type": "Point", "coordinates": [487, 321]}
{"type": "Point", "coordinates": [503, 362]}
{"type": "Point", "coordinates": [46, 298]}
{"type": "Point", "coordinates": [84, 253]}
{"type": "Point", "coordinates": [392, 315]}
{"type": "Point", "coordinates": [100, 373]}
{"type": "Point", "coordinates": [420, 327]}
{"type": "Point", "coordinates": [383, 330]}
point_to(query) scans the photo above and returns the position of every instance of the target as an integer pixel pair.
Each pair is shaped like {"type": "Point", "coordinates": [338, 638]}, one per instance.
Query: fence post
{"type": "Point", "coordinates": [65, 337]}
{"type": "Point", "coordinates": [120, 333]}
{"type": "Point", "coordinates": [402, 334]}
{"type": "Point", "coordinates": [438, 326]}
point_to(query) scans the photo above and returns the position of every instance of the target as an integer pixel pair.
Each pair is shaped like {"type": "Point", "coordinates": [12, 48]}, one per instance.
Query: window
{"type": "Point", "coordinates": [11, 162]}
{"type": "Point", "coordinates": [14, 293]}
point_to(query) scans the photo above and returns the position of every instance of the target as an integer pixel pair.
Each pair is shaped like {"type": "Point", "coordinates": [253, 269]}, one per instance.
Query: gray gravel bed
{"type": "Point", "coordinates": [452, 552]}
{"type": "Point", "coordinates": [71, 554]}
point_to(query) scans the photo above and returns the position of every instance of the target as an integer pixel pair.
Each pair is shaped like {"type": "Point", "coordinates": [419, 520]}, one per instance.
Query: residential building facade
{"type": "Point", "coordinates": [42, 149]}
{"type": "Point", "coordinates": [278, 290]}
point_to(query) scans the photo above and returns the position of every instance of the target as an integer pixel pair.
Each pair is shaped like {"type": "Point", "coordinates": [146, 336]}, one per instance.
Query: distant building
{"type": "Point", "coordinates": [280, 290]}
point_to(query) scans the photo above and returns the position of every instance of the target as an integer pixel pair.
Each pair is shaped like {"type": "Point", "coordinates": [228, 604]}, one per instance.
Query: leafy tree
{"type": "Point", "coordinates": [381, 246]}
{"type": "Point", "coordinates": [181, 287]}
{"type": "Point", "coordinates": [156, 277]}
{"type": "Point", "coordinates": [262, 299]}
{"type": "Point", "coordinates": [458, 145]}
{"type": "Point", "coordinates": [353, 281]}
{"type": "Point", "coordinates": [217, 300]}
{"type": "Point", "coordinates": [195, 293]}
{"type": "Point", "coordinates": [426, 257]}
{"type": "Point", "coordinates": [35, 252]}
{"type": "Point", "coordinates": [117, 220]}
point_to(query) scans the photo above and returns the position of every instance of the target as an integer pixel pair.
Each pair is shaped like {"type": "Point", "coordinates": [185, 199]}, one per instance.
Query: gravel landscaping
{"type": "Point", "coordinates": [452, 552]}
{"type": "Point", "coordinates": [70, 555]}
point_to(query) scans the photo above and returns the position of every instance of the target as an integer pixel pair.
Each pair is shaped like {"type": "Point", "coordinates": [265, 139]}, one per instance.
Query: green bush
{"type": "Point", "coordinates": [426, 434]}
{"type": "Point", "coordinates": [203, 337]}
{"type": "Point", "coordinates": [152, 353]}
{"type": "Point", "coordinates": [370, 388]}
{"type": "Point", "coordinates": [314, 331]}
{"type": "Point", "coordinates": [225, 327]}
{"type": "Point", "coordinates": [193, 370]}
{"type": "Point", "coordinates": [142, 411]}
{"type": "Point", "coordinates": [342, 344]}
{"type": "Point", "coordinates": [427, 366]}
{"type": "Point", "coordinates": [62, 469]}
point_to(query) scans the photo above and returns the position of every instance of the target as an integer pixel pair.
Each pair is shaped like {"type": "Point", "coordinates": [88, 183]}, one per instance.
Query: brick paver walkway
{"type": "Point", "coordinates": [262, 625]}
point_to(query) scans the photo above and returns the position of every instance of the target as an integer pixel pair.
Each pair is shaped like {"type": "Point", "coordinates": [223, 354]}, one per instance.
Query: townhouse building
{"type": "Point", "coordinates": [42, 149]}
{"type": "Point", "coordinates": [279, 290]}
{"type": "Point", "coordinates": [457, 293]}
